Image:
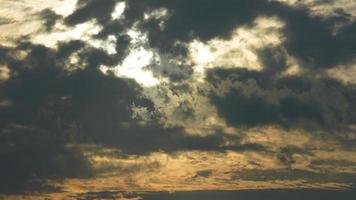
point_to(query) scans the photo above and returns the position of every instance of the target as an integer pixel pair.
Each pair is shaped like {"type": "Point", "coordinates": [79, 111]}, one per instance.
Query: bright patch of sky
{"type": "Point", "coordinates": [240, 51]}
{"type": "Point", "coordinates": [133, 67]}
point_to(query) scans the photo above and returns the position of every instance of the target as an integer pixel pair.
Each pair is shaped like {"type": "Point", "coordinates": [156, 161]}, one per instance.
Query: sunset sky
{"type": "Point", "coordinates": [177, 99]}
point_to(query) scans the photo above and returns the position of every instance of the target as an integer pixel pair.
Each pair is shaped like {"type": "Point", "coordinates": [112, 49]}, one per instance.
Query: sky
{"type": "Point", "coordinates": [178, 99]}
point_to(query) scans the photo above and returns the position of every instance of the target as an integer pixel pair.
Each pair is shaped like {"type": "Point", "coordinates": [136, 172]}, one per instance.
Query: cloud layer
{"type": "Point", "coordinates": [259, 81]}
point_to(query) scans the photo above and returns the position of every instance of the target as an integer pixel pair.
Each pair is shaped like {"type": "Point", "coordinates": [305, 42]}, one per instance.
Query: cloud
{"type": "Point", "coordinates": [248, 98]}
{"type": "Point", "coordinates": [318, 42]}
{"type": "Point", "coordinates": [92, 9]}
{"type": "Point", "coordinates": [53, 106]}
{"type": "Point", "coordinates": [285, 155]}
{"type": "Point", "coordinates": [50, 107]}
{"type": "Point", "coordinates": [52, 99]}
{"type": "Point", "coordinates": [30, 155]}
{"type": "Point", "coordinates": [252, 194]}
{"type": "Point", "coordinates": [50, 18]}
{"type": "Point", "coordinates": [315, 41]}
{"type": "Point", "coordinates": [4, 21]}
{"type": "Point", "coordinates": [314, 177]}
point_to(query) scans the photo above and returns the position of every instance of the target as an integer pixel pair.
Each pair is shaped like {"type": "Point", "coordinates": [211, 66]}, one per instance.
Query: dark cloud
{"type": "Point", "coordinates": [144, 139]}
{"type": "Point", "coordinates": [103, 195]}
{"type": "Point", "coordinates": [285, 154]}
{"type": "Point", "coordinates": [92, 9]}
{"type": "Point", "coordinates": [297, 84]}
{"type": "Point", "coordinates": [241, 110]}
{"type": "Point", "coordinates": [256, 98]}
{"type": "Point", "coordinates": [200, 19]}
{"type": "Point", "coordinates": [307, 194]}
{"type": "Point", "coordinates": [317, 42]}
{"type": "Point", "coordinates": [68, 48]}
{"type": "Point", "coordinates": [50, 19]}
{"type": "Point", "coordinates": [51, 107]}
{"type": "Point", "coordinates": [293, 175]}
{"type": "Point", "coordinates": [41, 85]}
{"type": "Point", "coordinates": [122, 46]}
{"type": "Point", "coordinates": [332, 163]}
{"type": "Point", "coordinates": [274, 60]}
{"type": "Point", "coordinates": [186, 21]}
{"type": "Point", "coordinates": [185, 111]}
{"type": "Point", "coordinates": [54, 106]}
{"type": "Point", "coordinates": [203, 173]}
{"type": "Point", "coordinates": [33, 136]}
{"type": "Point", "coordinates": [53, 103]}
{"type": "Point", "coordinates": [4, 21]}
{"type": "Point", "coordinates": [29, 156]}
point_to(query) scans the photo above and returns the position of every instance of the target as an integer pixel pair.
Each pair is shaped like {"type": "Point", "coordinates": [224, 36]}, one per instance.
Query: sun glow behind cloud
{"type": "Point", "coordinates": [133, 67]}
{"type": "Point", "coordinates": [240, 50]}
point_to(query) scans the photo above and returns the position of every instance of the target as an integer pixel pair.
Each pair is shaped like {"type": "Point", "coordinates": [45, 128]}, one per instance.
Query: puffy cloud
{"type": "Point", "coordinates": [248, 98]}
{"type": "Point", "coordinates": [50, 107]}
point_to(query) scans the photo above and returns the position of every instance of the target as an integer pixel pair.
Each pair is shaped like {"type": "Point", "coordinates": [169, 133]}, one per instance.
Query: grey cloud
{"type": "Point", "coordinates": [295, 101]}
{"type": "Point", "coordinates": [333, 163]}
{"type": "Point", "coordinates": [30, 155]}
{"type": "Point", "coordinates": [52, 107]}
{"type": "Point", "coordinates": [317, 42]}
{"type": "Point", "coordinates": [50, 19]}
{"type": "Point", "coordinates": [4, 21]}
{"type": "Point", "coordinates": [285, 154]}
{"type": "Point", "coordinates": [253, 195]}
{"type": "Point", "coordinates": [310, 38]}
{"type": "Point", "coordinates": [293, 175]}
{"type": "Point", "coordinates": [82, 105]}
{"type": "Point", "coordinates": [313, 41]}
{"type": "Point", "coordinates": [91, 9]}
